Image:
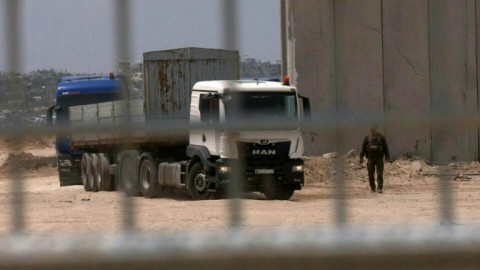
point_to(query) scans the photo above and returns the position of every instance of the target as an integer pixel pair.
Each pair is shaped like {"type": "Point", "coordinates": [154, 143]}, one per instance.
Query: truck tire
{"type": "Point", "coordinates": [84, 169]}
{"type": "Point", "coordinates": [92, 179]}
{"type": "Point", "coordinates": [129, 174]}
{"type": "Point", "coordinates": [197, 183]}
{"type": "Point", "coordinates": [102, 169]}
{"type": "Point", "coordinates": [108, 179]}
{"type": "Point", "coordinates": [278, 193]}
{"type": "Point", "coordinates": [97, 169]}
{"type": "Point", "coordinates": [148, 179]}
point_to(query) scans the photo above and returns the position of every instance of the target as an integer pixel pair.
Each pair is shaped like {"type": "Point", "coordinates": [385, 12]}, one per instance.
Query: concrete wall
{"type": "Point", "coordinates": [317, 70]}
{"type": "Point", "coordinates": [358, 65]}
{"type": "Point", "coordinates": [453, 76]}
{"type": "Point", "coordinates": [406, 75]}
{"type": "Point", "coordinates": [388, 60]}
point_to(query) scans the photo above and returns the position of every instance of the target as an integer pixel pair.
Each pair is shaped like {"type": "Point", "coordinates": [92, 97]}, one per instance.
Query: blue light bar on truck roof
{"type": "Point", "coordinates": [72, 85]}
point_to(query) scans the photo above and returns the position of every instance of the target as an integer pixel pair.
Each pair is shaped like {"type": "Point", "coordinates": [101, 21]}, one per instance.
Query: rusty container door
{"type": "Point", "coordinates": [170, 75]}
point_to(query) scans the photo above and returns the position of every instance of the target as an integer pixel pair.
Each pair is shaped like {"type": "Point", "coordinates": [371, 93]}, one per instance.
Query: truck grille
{"type": "Point", "coordinates": [264, 155]}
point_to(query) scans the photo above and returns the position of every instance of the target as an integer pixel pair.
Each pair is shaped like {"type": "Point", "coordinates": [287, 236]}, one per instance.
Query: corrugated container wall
{"type": "Point", "coordinates": [170, 75]}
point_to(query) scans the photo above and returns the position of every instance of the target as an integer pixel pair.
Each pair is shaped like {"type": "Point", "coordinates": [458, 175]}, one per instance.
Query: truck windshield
{"type": "Point", "coordinates": [277, 110]}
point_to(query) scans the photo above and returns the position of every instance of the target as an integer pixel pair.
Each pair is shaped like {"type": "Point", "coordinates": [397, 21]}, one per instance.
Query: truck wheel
{"type": "Point", "coordinates": [98, 173]}
{"type": "Point", "coordinates": [92, 179]}
{"type": "Point", "coordinates": [129, 174]}
{"type": "Point", "coordinates": [108, 184]}
{"type": "Point", "coordinates": [197, 183]}
{"type": "Point", "coordinates": [102, 169]}
{"type": "Point", "coordinates": [278, 193]}
{"type": "Point", "coordinates": [84, 168]}
{"type": "Point", "coordinates": [148, 178]}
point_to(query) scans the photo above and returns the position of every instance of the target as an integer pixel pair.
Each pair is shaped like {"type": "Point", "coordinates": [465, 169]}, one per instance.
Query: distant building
{"type": "Point", "coordinates": [253, 68]}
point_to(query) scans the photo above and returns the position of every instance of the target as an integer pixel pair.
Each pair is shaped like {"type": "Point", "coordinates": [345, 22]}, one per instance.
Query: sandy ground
{"type": "Point", "coordinates": [411, 197]}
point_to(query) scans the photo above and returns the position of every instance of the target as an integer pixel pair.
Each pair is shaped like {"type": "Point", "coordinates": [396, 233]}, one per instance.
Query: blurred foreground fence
{"type": "Point", "coordinates": [448, 246]}
{"type": "Point", "coordinates": [341, 248]}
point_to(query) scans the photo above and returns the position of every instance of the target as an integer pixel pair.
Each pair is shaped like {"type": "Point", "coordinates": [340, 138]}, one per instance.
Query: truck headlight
{"type": "Point", "coordinates": [297, 168]}
{"type": "Point", "coordinates": [223, 169]}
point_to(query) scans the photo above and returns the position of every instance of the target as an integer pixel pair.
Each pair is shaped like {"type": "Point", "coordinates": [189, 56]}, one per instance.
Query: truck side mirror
{"type": "Point", "coordinates": [306, 108]}
{"type": "Point", "coordinates": [50, 115]}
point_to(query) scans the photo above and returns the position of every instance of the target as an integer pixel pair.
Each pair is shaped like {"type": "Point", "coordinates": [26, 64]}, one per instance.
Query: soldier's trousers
{"type": "Point", "coordinates": [372, 165]}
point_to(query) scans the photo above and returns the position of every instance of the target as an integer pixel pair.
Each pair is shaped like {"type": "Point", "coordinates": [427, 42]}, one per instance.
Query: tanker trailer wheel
{"type": "Point", "coordinates": [148, 179]}
{"type": "Point", "coordinates": [278, 192]}
{"type": "Point", "coordinates": [85, 171]}
{"type": "Point", "coordinates": [102, 170]}
{"type": "Point", "coordinates": [197, 185]}
{"type": "Point", "coordinates": [92, 177]}
{"type": "Point", "coordinates": [129, 173]}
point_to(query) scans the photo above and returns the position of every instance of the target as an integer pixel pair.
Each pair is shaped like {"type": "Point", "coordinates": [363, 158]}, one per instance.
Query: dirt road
{"type": "Point", "coordinates": [410, 197]}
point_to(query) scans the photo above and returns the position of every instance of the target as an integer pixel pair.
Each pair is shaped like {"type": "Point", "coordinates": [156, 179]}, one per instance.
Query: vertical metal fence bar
{"type": "Point", "coordinates": [123, 52]}
{"type": "Point", "coordinates": [340, 205]}
{"type": "Point", "coordinates": [230, 41]}
{"type": "Point", "coordinates": [122, 30]}
{"type": "Point", "coordinates": [441, 107]}
{"type": "Point", "coordinates": [13, 52]}
{"type": "Point", "coordinates": [283, 31]}
{"type": "Point", "coordinates": [339, 175]}
{"type": "Point", "coordinates": [336, 132]}
{"type": "Point", "coordinates": [446, 198]}
{"type": "Point", "coordinates": [12, 30]}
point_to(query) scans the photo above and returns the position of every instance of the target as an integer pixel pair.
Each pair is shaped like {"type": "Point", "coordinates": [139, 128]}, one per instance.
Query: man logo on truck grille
{"type": "Point", "coordinates": [263, 142]}
{"type": "Point", "coordinates": [264, 152]}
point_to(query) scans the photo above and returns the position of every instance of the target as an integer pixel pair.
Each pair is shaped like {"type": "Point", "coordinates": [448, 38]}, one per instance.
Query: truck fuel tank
{"type": "Point", "coordinates": [170, 175]}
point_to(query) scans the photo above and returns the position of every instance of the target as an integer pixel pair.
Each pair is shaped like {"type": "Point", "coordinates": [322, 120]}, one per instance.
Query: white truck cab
{"type": "Point", "coordinates": [253, 122]}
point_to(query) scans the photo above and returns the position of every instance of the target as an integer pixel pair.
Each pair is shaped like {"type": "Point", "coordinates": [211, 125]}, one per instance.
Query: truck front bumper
{"type": "Point", "coordinates": [256, 178]}
{"type": "Point", "coordinates": [69, 170]}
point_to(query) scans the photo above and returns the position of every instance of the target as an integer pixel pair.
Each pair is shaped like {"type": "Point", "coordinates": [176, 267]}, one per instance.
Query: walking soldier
{"type": "Point", "coordinates": [375, 148]}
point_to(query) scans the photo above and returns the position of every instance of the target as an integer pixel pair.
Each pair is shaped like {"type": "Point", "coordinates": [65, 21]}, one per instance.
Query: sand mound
{"type": "Point", "coordinates": [26, 162]}
{"type": "Point", "coordinates": [28, 142]}
{"type": "Point", "coordinates": [326, 168]}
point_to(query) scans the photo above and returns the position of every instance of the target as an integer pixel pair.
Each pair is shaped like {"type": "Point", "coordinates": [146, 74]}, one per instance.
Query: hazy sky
{"type": "Point", "coordinates": [78, 35]}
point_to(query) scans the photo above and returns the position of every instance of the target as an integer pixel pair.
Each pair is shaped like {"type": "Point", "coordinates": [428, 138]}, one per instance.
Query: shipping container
{"type": "Point", "coordinates": [170, 75]}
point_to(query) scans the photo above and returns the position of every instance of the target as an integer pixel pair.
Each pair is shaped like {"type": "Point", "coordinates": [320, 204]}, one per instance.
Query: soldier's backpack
{"type": "Point", "coordinates": [375, 145]}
